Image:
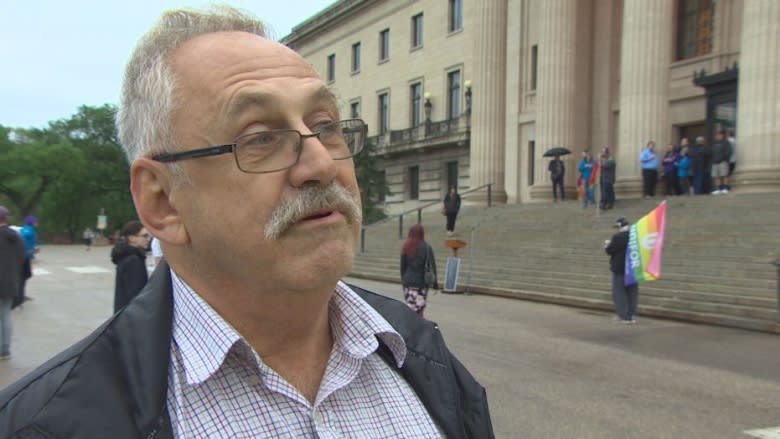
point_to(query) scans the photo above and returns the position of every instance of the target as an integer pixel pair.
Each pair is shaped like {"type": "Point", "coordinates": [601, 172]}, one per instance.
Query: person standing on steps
{"type": "Point", "coordinates": [648, 160]}
{"type": "Point", "coordinates": [451, 209]}
{"type": "Point", "coordinates": [625, 297]}
{"type": "Point", "coordinates": [557, 172]}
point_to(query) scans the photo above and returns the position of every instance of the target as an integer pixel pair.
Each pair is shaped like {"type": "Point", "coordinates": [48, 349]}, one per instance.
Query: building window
{"type": "Point", "coordinates": [452, 175]}
{"type": "Point", "coordinates": [534, 65]}
{"type": "Point", "coordinates": [384, 45]}
{"type": "Point", "coordinates": [414, 182]}
{"type": "Point", "coordinates": [331, 67]}
{"type": "Point", "coordinates": [694, 28]}
{"type": "Point", "coordinates": [417, 30]}
{"type": "Point", "coordinates": [453, 94]}
{"type": "Point", "coordinates": [415, 102]}
{"type": "Point", "coordinates": [354, 110]}
{"type": "Point", "coordinates": [456, 15]}
{"type": "Point", "coordinates": [383, 113]}
{"type": "Point", "coordinates": [355, 57]}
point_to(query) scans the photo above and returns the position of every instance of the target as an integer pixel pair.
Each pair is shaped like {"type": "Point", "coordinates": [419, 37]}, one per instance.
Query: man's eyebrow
{"type": "Point", "coordinates": [245, 101]}
{"type": "Point", "coordinates": [324, 94]}
{"type": "Point", "coordinates": [259, 99]}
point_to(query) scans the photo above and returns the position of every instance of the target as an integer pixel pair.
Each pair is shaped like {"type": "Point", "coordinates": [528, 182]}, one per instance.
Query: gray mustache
{"type": "Point", "coordinates": [310, 199]}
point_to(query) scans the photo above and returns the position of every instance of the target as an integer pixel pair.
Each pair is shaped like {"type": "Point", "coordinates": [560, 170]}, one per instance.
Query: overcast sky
{"type": "Point", "coordinates": [60, 54]}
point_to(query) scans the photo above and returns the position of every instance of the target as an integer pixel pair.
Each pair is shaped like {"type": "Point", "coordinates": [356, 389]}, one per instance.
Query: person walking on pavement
{"type": "Point", "coordinates": [625, 297]}
{"type": "Point", "coordinates": [557, 172]}
{"type": "Point", "coordinates": [29, 235]}
{"type": "Point", "coordinates": [648, 160]}
{"type": "Point", "coordinates": [129, 256]}
{"type": "Point", "coordinates": [451, 209]}
{"type": "Point", "coordinates": [11, 263]}
{"type": "Point", "coordinates": [417, 258]}
{"type": "Point", "coordinates": [87, 237]}
{"type": "Point", "coordinates": [243, 168]}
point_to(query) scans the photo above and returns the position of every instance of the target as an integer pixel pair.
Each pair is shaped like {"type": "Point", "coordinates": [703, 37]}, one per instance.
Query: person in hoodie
{"type": "Point", "coordinates": [129, 255]}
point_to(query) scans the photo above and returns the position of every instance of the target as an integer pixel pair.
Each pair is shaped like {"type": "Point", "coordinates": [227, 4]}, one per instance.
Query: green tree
{"type": "Point", "coordinates": [373, 186]}
{"type": "Point", "coordinates": [66, 173]}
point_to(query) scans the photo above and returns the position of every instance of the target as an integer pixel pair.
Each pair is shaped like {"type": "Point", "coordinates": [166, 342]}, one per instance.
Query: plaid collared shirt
{"type": "Point", "coordinates": [218, 387]}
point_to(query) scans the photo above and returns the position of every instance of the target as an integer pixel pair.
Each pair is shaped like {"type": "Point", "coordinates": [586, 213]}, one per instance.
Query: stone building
{"type": "Point", "coordinates": [470, 92]}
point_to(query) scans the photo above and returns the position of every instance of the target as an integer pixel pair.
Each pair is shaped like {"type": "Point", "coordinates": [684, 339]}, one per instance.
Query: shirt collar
{"type": "Point", "coordinates": [204, 338]}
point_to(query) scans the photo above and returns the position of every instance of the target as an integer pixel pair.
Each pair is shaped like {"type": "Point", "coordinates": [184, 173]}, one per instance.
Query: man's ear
{"type": "Point", "coordinates": [151, 184]}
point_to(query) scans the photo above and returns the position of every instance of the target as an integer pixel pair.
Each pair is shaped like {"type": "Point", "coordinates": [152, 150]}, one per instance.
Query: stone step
{"type": "Point", "coordinates": [715, 266]}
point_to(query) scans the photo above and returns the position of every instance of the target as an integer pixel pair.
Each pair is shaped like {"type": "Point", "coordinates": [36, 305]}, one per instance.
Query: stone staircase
{"type": "Point", "coordinates": [716, 266]}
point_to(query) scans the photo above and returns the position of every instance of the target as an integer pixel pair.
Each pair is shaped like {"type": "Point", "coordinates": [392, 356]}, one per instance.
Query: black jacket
{"type": "Point", "coordinates": [11, 262]}
{"type": "Point", "coordinates": [131, 274]}
{"type": "Point", "coordinates": [452, 203]}
{"type": "Point", "coordinates": [617, 252]}
{"type": "Point", "coordinates": [114, 383]}
{"type": "Point", "coordinates": [413, 268]}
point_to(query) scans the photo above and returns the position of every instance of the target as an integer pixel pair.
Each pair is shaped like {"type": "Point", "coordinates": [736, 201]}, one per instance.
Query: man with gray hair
{"type": "Point", "coordinates": [242, 167]}
{"type": "Point", "coordinates": [11, 265]}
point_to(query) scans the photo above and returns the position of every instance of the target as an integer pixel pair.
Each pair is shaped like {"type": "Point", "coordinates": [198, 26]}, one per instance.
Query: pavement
{"type": "Point", "coordinates": [550, 371]}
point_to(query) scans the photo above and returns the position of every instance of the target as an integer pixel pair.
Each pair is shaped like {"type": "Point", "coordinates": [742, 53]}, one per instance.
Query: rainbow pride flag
{"type": "Point", "coordinates": [645, 244]}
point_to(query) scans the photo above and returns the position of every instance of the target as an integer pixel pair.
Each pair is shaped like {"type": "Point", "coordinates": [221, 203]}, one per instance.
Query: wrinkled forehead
{"type": "Point", "coordinates": [228, 55]}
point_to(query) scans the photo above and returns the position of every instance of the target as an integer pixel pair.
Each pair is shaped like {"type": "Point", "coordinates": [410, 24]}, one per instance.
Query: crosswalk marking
{"type": "Point", "coordinates": [88, 269]}
{"type": "Point", "coordinates": [40, 271]}
{"type": "Point", "coordinates": [764, 433]}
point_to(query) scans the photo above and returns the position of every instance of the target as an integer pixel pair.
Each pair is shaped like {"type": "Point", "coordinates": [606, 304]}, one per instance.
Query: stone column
{"type": "Point", "coordinates": [758, 107]}
{"type": "Point", "coordinates": [644, 86]}
{"type": "Point", "coordinates": [488, 119]}
{"type": "Point", "coordinates": [555, 93]}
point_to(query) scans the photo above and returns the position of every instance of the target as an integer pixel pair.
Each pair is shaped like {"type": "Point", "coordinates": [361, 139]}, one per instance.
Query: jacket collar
{"type": "Point", "coordinates": [144, 350]}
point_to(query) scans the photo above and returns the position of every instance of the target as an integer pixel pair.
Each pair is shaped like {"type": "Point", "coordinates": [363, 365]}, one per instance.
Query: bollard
{"type": "Point", "coordinates": [362, 240]}
{"type": "Point", "coordinates": [419, 216]}
{"type": "Point", "coordinates": [777, 264]}
{"type": "Point", "coordinates": [490, 195]}
{"type": "Point", "coordinates": [400, 227]}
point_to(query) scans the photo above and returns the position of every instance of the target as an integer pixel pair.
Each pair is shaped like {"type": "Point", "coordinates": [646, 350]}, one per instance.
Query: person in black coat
{"type": "Point", "coordinates": [11, 263]}
{"type": "Point", "coordinates": [451, 209]}
{"type": "Point", "coordinates": [417, 258]}
{"type": "Point", "coordinates": [129, 255]}
{"type": "Point", "coordinates": [625, 297]}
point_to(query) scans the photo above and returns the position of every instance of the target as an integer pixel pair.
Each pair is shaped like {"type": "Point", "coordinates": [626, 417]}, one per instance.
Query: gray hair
{"type": "Point", "coordinates": [148, 91]}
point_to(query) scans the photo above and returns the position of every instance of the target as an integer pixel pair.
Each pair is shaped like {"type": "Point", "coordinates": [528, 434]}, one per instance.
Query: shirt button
{"type": "Point", "coordinates": [317, 417]}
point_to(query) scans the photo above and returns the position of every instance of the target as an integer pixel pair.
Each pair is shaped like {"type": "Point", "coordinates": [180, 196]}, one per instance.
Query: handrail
{"type": "Point", "coordinates": [419, 209]}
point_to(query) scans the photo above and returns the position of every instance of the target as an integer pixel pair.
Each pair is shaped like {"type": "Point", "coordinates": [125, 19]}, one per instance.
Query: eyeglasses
{"type": "Point", "coordinates": [276, 150]}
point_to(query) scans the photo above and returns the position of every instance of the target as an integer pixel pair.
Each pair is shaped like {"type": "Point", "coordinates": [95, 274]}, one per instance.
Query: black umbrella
{"type": "Point", "coordinates": [558, 150]}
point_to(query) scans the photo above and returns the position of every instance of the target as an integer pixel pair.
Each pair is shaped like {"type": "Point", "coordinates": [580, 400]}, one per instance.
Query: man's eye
{"type": "Point", "coordinates": [262, 138]}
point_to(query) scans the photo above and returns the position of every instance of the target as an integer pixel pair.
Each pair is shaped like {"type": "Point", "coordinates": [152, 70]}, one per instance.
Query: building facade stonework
{"type": "Point", "coordinates": [471, 92]}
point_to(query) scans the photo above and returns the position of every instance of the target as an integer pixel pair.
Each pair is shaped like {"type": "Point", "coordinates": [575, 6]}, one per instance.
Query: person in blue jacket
{"type": "Point", "coordinates": [585, 167]}
{"type": "Point", "coordinates": [649, 161]}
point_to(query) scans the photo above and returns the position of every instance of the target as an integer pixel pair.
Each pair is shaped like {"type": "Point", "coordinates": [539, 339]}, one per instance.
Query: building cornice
{"type": "Point", "coordinates": [324, 20]}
